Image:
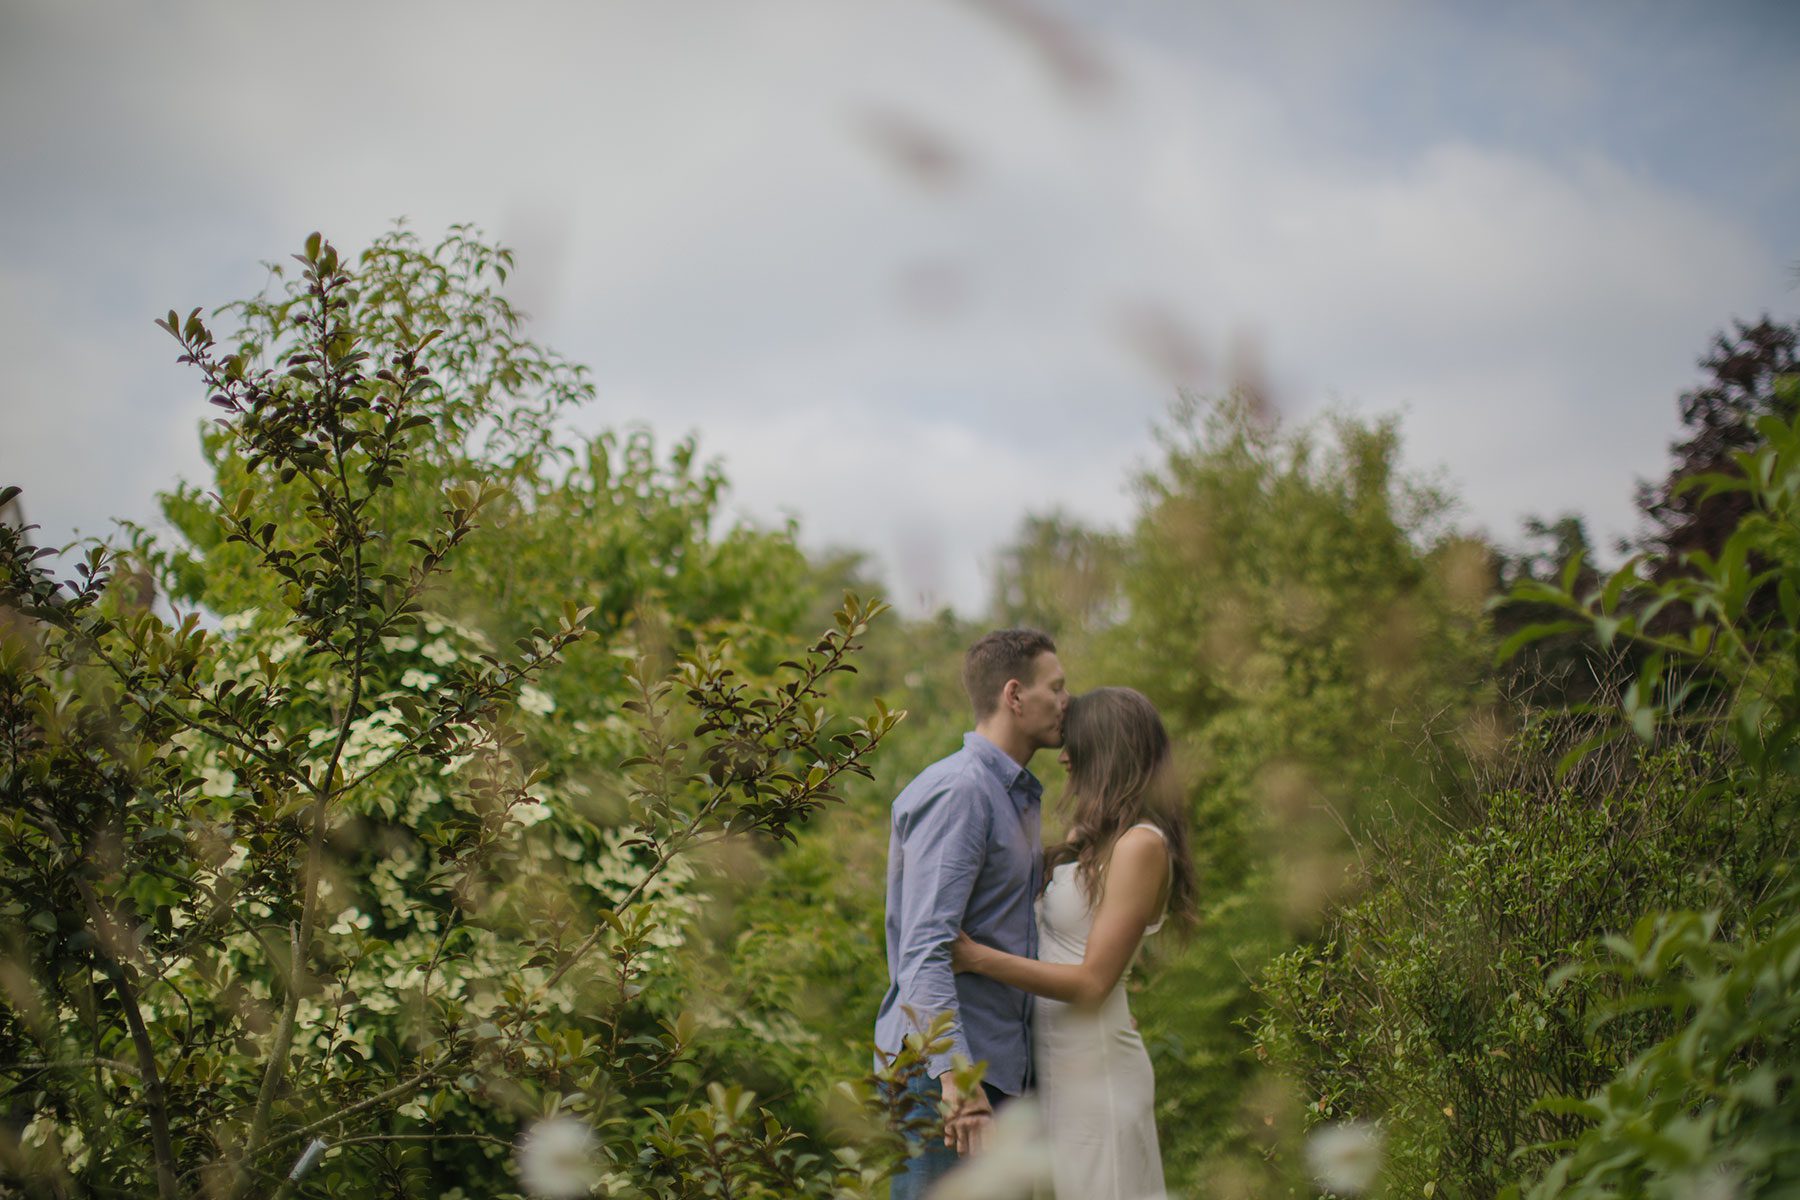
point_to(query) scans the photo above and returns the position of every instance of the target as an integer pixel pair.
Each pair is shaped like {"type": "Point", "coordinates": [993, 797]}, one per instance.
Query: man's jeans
{"type": "Point", "coordinates": [916, 1179]}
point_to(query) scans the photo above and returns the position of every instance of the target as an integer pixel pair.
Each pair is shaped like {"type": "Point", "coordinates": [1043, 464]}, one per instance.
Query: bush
{"type": "Point", "coordinates": [1465, 1002]}
{"type": "Point", "coordinates": [1708, 1110]}
{"type": "Point", "coordinates": [314, 880]}
{"type": "Point", "coordinates": [1427, 1003]}
{"type": "Point", "coordinates": [1711, 1104]}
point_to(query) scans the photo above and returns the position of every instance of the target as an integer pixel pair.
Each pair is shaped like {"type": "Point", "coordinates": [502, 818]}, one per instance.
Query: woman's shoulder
{"type": "Point", "coordinates": [1143, 845]}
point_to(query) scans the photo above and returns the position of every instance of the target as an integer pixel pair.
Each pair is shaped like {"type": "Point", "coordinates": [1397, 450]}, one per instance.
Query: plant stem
{"type": "Point", "coordinates": [315, 851]}
{"type": "Point", "coordinates": [157, 1103]}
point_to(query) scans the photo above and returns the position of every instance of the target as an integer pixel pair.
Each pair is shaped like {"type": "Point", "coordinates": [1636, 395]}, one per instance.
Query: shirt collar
{"type": "Point", "coordinates": [1019, 782]}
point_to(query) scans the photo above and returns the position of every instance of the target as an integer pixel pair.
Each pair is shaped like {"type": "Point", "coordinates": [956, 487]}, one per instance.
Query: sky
{"type": "Point", "coordinates": [967, 251]}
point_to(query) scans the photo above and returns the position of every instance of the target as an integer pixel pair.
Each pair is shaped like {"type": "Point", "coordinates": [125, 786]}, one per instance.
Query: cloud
{"type": "Point", "coordinates": [717, 210]}
{"type": "Point", "coordinates": [83, 436]}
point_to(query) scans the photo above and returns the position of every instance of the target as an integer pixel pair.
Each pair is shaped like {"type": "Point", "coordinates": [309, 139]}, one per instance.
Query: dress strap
{"type": "Point", "coordinates": [1153, 827]}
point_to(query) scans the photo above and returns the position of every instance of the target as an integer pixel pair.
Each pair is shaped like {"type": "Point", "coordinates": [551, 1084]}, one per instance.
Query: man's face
{"type": "Point", "coordinates": [1043, 701]}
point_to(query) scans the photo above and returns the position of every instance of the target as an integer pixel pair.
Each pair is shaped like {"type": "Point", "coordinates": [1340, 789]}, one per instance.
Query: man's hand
{"type": "Point", "coordinates": [971, 1116]}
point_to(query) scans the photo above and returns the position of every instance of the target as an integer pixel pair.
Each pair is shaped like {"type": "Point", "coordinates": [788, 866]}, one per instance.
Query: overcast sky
{"type": "Point", "coordinates": [967, 247]}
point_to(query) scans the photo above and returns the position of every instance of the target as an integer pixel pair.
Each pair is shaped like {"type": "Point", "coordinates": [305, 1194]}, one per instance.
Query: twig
{"type": "Point", "coordinates": [71, 1064]}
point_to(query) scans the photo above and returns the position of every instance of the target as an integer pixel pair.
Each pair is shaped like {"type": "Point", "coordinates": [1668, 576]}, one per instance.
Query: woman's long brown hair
{"type": "Point", "coordinates": [1121, 773]}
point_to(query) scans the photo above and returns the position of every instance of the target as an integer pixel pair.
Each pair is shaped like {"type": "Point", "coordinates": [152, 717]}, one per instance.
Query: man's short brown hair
{"type": "Point", "coordinates": [999, 656]}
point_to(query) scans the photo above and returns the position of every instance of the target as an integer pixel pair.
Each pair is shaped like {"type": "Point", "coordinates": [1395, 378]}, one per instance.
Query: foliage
{"type": "Point", "coordinates": [1293, 605]}
{"type": "Point", "coordinates": [1297, 610]}
{"type": "Point", "coordinates": [804, 950]}
{"type": "Point", "coordinates": [1729, 669]}
{"type": "Point", "coordinates": [314, 874]}
{"type": "Point", "coordinates": [598, 517]}
{"type": "Point", "coordinates": [1709, 1109]}
{"type": "Point", "coordinates": [1720, 419]}
{"type": "Point", "coordinates": [1461, 1002]}
{"type": "Point", "coordinates": [1568, 669]}
{"type": "Point", "coordinates": [1059, 573]}
{"type": "Point", "coordinates": [1427, 1004]}
{"type": "Point", "coordinates": [1713, 1095]}
{"type": "Point", "coordinates": [1562, 670]}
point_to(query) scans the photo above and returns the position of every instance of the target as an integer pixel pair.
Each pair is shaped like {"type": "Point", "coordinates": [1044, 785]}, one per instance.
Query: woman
{"type": "Point", "coordinates": [1122, 870]}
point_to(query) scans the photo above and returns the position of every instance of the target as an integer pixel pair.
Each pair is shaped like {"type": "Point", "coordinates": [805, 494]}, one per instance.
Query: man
{"type": "Point", "coordinates": [965, 852]}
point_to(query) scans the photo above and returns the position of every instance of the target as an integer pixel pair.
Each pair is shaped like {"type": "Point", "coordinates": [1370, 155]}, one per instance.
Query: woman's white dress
{"type": "Point", "coordinates": [1093, 1076]}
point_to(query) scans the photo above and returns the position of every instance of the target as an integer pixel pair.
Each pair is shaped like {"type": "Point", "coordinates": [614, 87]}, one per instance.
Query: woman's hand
{"type": "Point", "coordinates": [965, 953]}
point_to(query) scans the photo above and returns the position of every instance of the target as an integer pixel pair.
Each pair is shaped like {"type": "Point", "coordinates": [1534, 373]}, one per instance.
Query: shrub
{"type": "Point", "coordinates": [299, 890]}
{"type": "Point", "coordinates": [1427, 1003]}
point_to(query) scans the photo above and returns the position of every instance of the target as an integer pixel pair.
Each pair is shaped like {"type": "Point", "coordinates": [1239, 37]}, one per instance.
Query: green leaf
{"type": "Point", "coordinates": [1572, 571]}
{"type": "Point", "coordinates": [1621, 579]}
{"type": "Point", "coordinates": [1568, 1106]}
{"type": "Point", "coordinates": [1533, 633]}
{"type": "Point", "coordinates": [1569, 761]}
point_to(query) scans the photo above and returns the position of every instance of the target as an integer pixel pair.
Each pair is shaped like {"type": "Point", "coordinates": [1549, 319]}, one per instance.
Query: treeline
{"type": "Point", "coordinates": [1434, 781]}
{"type": "Point", "coordinates": [393, 856]}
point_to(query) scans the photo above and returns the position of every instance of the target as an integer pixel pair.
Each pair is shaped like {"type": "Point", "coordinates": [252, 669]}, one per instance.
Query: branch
{"type": "Point", "coordinates": [153, 1089]}
{"type": "Point", "coordinates": [140, 1036]}
{"type": "Point", "coordinates": [495, 687]}
{"type": "Point", "coordinates": [315, 854]}
{"type": "Point", "coordinates": [424, 1137]}
{"type": "Point", "coordinates": [251, 748]}
{"type": "Point", "coordinates": [404, 1087]}
{"type": "Point", "coordinates": [71, 1064]}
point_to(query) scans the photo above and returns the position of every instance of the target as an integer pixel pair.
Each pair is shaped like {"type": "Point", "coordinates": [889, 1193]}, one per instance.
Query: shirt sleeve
{"type": "Point", "coordinates": [944, 840]}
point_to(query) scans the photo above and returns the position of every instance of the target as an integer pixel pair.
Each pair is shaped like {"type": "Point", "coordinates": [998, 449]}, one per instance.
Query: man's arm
{"type": "Point", "coordinates": [943, 840]}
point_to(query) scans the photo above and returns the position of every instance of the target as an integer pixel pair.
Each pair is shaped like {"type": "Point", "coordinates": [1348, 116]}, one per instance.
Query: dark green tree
{"type": "Point", "coordinates": [1719, 420]}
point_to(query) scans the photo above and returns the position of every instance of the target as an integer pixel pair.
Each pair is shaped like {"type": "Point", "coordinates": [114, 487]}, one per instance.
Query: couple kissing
{"type": "Point", "coordinates": [1027, 949]}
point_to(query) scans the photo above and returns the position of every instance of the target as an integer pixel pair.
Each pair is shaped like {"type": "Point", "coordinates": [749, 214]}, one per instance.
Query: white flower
{"type": "Point", "coordinates": [534, 700]}
{"type": "Point", "coordinates": [440, 652]}
{"type": "Point", "coordinates": [558, 1158]}
{"type": "Point", "coordinates": [217, 781]}
{"type": "Point", "coordinates": [350, 919]}
{"type": "Point", "coordinates": [415, 678]}
{"type": "Point", "coordinates": [1016, 1161]}
{"type": "Point", "coordinates": [1344, 1157]}
{"type": "Point", "coordinates": [531, 813]}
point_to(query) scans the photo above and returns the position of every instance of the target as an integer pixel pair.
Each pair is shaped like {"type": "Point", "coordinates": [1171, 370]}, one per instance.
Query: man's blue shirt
{"type": "Point", "coordinates": [964, 852]}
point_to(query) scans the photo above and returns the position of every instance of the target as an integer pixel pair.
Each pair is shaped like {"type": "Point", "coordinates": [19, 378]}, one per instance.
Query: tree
{"type": "Point", "coordinates": [295, 887]}
{"type": "Point", "coordinates": [1060, 576]}
{"type": "Point", "coordinates": [1510, 997]}
{"type": "Point", "coordinates": [1313, 634]}
{"type": "Point", "coordinates": [1720, 419]}
{"type": "Point", "coordinates": [1565, 669]}
{"type": "Point", "coordinates": [1707, 1101]}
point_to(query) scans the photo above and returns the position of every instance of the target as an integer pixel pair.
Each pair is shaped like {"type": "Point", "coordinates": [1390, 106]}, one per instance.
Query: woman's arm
{"type": "Point", "coordinates": [1128, 904]}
